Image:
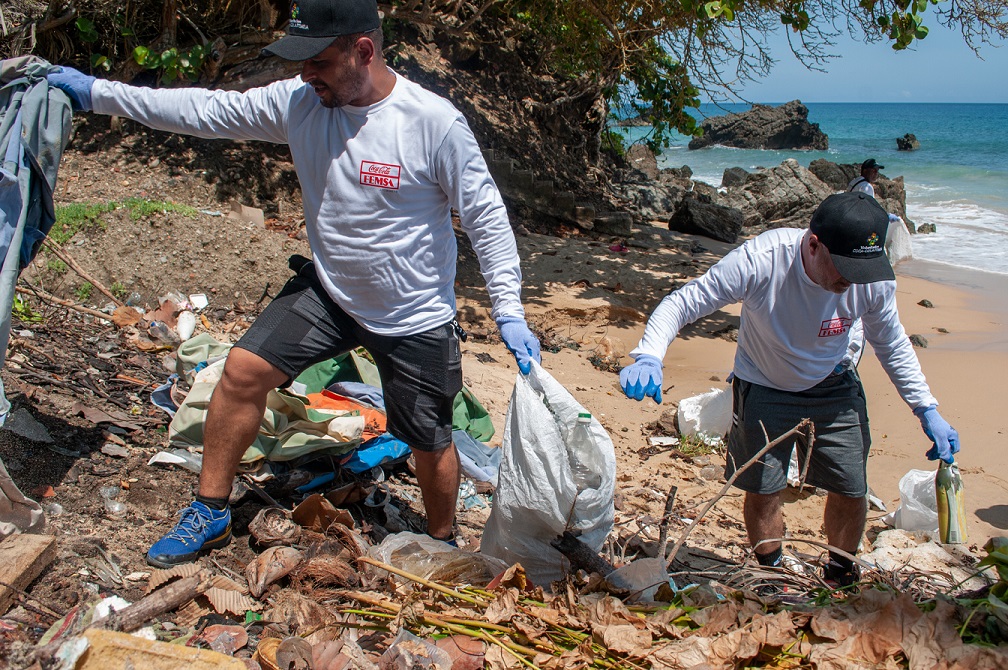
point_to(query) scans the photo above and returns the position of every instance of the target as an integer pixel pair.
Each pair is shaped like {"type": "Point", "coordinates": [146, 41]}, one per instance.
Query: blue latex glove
{"type": "Point", "coordinates": [75, 84]}
{"type": "Point", "coordinates": [893, 218]}
{"type": "Point", "coordinates": [520, 341]}
{"type": "Point", "coordinates": [944, 436]}
{"type": "Point", "coordinates": [643, 378]}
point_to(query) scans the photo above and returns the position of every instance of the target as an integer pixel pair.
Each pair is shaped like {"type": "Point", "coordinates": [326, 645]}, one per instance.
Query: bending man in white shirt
{"type": "Point", "coordinates": [801, 291]}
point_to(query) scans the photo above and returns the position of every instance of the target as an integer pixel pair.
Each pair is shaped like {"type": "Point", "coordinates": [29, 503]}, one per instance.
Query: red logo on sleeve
{"type": "Point", "coordinates": [831, 327]}
{"type": "Point", "coordinates": [381, 175]}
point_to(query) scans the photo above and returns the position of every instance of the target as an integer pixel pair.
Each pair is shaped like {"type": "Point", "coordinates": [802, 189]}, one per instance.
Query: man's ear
{"type": "Point", "coordinates": [365, 50]}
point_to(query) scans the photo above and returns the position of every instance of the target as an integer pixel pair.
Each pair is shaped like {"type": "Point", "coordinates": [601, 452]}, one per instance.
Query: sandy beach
{"type": "Point", "coordinates": [601, 301]}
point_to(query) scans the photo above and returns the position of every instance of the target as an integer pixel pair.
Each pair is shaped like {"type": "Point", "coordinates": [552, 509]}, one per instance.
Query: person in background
{"type": "Point", "coordinates": [866, 180]}
{"type": "Point", "coordinates": [800, 293]}
{"type": "Point", "coordinates": [382, 162]}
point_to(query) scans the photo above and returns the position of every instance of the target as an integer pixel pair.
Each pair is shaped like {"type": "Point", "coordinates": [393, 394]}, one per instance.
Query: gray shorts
{"type": "Point", "coordinates": [421, 374]}
{"type": "Point", "coordinates": [838, 410]}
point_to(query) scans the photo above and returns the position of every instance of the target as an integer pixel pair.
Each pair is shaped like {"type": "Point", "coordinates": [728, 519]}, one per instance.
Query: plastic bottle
{"type": "Point", "coordinates": [583, 455]}
{"type": "Point", "coordinates": [951, 504]}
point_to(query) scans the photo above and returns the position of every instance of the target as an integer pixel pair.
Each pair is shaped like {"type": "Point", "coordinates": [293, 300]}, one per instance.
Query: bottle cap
{"type": "Point", "coordinates": [584, 415]}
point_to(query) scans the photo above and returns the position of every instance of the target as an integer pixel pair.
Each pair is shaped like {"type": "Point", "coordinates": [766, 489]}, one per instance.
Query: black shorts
{"type": "Point", "coordinates": [421, 374]}
{"type": "Point", "coordinates": [838, 410]}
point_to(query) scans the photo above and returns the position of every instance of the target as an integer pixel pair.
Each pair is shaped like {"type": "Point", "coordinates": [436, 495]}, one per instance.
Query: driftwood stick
{"type": "Point", "coordinates": [65, 256]}
{"type": "Point", "coordinates": [48, 297]}
{"type": "Point", "coordinates": [663, 529]}
{"type": "Point", "coordinates": [810, 441]}
{"type": "Point", "coordinates": [731, 480]}
{"type": "Point", "coordinates": [580, 554]}
{"type": "Point", "coordinates": [163, 600]}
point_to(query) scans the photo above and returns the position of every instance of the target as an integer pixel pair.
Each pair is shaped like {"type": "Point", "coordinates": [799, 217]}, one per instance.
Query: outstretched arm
{"type": "Point", "coordinates": [466, 180]}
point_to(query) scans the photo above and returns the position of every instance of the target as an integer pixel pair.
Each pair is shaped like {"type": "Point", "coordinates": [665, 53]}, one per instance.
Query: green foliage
{"type": "Point", "coordinates": [75, 217]}
{"type": "Point", "coordinates": [613, 143]}
{"type": "Point", "coordinates": [173, 63]}
{"type": "Point", "coordinates": [118, 290]}
{"type": "Point", "coordinates": [56, 266]}
{"type": "Point", "coordinates": [83, 292]}
{"type": "Point", "coordinates": [22, 311]}
{"type": "Point", "coordinates": [997, 557]}
{"type": "Point", "coordinates": [141, 207]}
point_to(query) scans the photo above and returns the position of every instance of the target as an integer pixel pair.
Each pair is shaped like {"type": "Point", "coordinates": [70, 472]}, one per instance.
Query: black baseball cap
{"type": "Point", "coordinates": [853, 227]}
{"type": "Point", "coordinates": [871, 164]}
{"type": "Point", "coordinates": [314, 24]}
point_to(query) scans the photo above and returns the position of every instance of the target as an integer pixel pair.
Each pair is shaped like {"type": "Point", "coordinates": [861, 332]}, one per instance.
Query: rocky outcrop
{"type": "Point", "coordinates": [763, 127]}
{"type": "Point", "coordinates": [908, 142]}
{"type": "Point", "coordinates": [734, 176]}
{"type": "Point", "coordinates": [639, 157]}
{"type": "Point", "coordinates": [777, 197]}
{"type": "Point", "coordinates": [697, 216]}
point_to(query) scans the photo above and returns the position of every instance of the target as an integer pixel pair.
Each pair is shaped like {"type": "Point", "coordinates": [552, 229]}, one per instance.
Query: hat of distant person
{"type": "Point", "coordinates": [853, 227]}
{"type": "Point", "coordinates": [871, 164]}
{"type": "Point", "coordinates": [315, 24]}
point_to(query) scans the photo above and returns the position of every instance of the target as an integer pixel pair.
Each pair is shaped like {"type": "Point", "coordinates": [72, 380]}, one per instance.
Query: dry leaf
{"type": "Point", "coordinates": [407, 652]}
{"type": "Point", "coordinates": [271, 565]}
{"type": "Point", "coordinates": [125, 316]}
{"type": "Point", "coordinates": [317, 514]}
{"type": "Point", "coordinates": [187, 616]}
{"type": "Point", "coordinates": [329, 656]}
{"type": "Point", "coordinates": [623, 639]}
{"type": "Point", "coordinates": [224, 639]}
{"type": "Point", "coordinates": [775, 630]}
{"type": "Point", "coordinates": [465, 652]}
{"type": "Point", "coordinates": [503, 607]}
{"type": "Point", "coordinates": [294, 653]}
{"type": "Point", "coordinates": [265, 653]}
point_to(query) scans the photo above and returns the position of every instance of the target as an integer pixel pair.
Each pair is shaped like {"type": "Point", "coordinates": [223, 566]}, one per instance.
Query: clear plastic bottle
{"type": "Point", "coordinates": [583, 455]}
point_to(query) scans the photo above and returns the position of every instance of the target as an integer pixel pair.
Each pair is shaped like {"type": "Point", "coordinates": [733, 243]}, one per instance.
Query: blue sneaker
{"type": "Point", "coordinates": [198, 531]}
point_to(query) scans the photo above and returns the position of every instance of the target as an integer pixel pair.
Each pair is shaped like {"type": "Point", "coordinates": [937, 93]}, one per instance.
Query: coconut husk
{"type": "Point", "coordinates": [274, 527]}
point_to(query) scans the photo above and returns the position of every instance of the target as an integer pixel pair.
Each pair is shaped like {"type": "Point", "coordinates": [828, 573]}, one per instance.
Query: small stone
{"type": "Point", "coordinates": [919, 341]}
{"type": "Point", "coordinates": [926, 303]}
{"type": "Point", "coordinates": [711, 472]}
{"type": "Point", "coordinates": [701, 461]}
{"type": "Point", "coordinates": [942, 330]}
{"type": "Point", "coordinates": [115, 450]}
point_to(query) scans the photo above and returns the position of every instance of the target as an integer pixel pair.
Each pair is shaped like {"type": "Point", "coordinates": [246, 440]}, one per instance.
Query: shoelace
{"type": "Point", "coordinates": [189, 527]}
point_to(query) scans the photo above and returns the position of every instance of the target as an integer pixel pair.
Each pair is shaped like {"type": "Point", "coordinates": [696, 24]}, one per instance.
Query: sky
{"type": "Point", "coordinates": [939, 68]}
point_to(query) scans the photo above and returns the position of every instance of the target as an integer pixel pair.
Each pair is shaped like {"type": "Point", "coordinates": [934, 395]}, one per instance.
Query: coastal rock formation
{"type": "Point", "coordinates": [696, 216]}
{"type": "Point", "coordinates": [764, 127]}
{"type": "Point", "coordinates": [641, 158]}
{"type": "Point", "coordinates": [778, 197]}
{"type": "Point", "coordinates": [734, 176]}
{"type": "Point", "coordinates": [908, 142]}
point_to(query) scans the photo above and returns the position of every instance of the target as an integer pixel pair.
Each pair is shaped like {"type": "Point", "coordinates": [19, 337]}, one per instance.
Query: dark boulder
{"type": "Point", "coordinates": [927, 228]}
{"type": "Point", "coordinates": [734, 176]}
{"type": "Point", "coordinates": [700, 218]}
{"type": "Point", "coordinates": [763, 127]}
{"type": "Point", "coordinates": [908, 142]}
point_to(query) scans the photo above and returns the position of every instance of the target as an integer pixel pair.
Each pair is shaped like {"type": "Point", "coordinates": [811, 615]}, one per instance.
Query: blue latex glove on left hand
{"type": "Point", "coordinates": [893, 218]}
{"type": "Point", "coordinates": [643, 378]}
{"type": "Point", "coordinates": [944, 436]}
{"type": "Point", "coordinates": [520, 341]}
{"type": "Point", "coordinates": [75, 84]}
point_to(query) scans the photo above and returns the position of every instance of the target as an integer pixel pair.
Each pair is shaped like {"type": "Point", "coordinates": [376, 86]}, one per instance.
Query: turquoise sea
{"type": "Point", "coordinates": [957, 180]}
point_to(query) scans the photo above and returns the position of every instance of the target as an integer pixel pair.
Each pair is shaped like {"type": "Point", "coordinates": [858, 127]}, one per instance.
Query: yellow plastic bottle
{"type": "Point", "coordinates": [951, 504]}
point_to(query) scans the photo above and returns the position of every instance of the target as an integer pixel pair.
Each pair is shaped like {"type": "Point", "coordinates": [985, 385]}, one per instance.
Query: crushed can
{"type": "Point", "coordinates": [951, 504]}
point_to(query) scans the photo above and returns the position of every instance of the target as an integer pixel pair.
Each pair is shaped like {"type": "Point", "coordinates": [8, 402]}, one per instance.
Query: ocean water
{"type": "Point", "coordinates": [957, 180]}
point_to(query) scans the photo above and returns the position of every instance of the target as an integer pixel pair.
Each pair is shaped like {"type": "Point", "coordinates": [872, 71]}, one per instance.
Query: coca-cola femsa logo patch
{"type": "Point", "coordinates": [382, 175]}
{"type": "Point", "coordinates": [831, 327]}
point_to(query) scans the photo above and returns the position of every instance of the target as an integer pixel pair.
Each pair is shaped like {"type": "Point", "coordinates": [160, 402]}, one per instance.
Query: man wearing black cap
{"type": "Point", "coordinates": [800, 293]}
{"type": "Point", "coordinates": [382, 162]}
{"type": "Point", "coordinates": [869, 175]}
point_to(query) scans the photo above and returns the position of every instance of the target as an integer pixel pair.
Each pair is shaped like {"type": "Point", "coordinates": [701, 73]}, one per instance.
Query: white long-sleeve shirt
{"type": "Point", "coordinates": [378, 184]}
{"type": "Point", "coordinates": [793, 332]}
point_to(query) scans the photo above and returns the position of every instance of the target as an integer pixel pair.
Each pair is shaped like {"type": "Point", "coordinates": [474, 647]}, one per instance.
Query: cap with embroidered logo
{"type": "Point", "coordinates": [853, 227]}
{"type": "Point", "coordinates": [871, 164]}
{"type": "Point", "coordinates": [314, 24]}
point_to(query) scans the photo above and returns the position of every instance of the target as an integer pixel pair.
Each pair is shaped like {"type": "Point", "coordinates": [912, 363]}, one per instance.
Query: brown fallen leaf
{"type": "Point", "coordinates": [465, 652]}
{"type": "Point", "coordinates": [623, 639]}
{"type": "Point", "coordinates": [161, 577]}
{"type": "Point", "coordinates": [317, 514]}
{"type": "Point", "coordinates": [268, 567]}
{"type": "Point", "coordinates": [222, 639]}
{"type": "Point", "coordinates": [294, 653]}
{"type": "Point", "coordinates": [125, 316]}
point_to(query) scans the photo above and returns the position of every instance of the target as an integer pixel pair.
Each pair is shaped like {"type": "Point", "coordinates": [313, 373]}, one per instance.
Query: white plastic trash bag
{"type": "Point", "coordinates": [708, 414]}
{"type": "Point", "coordinates": [536, 499]}
{"type": "Point", "coordinates": [918, 508]}
{"type": "Point", "coordinates": [898, 244]}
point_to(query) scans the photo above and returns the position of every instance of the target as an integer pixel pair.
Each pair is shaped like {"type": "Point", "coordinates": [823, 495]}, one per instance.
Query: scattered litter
{"type": "Point", "coordinates": [663, 441]}
{"type": "Point", "coordinates": [198, 301]}
{"type": "Point", "coordinates": [181, 457]}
